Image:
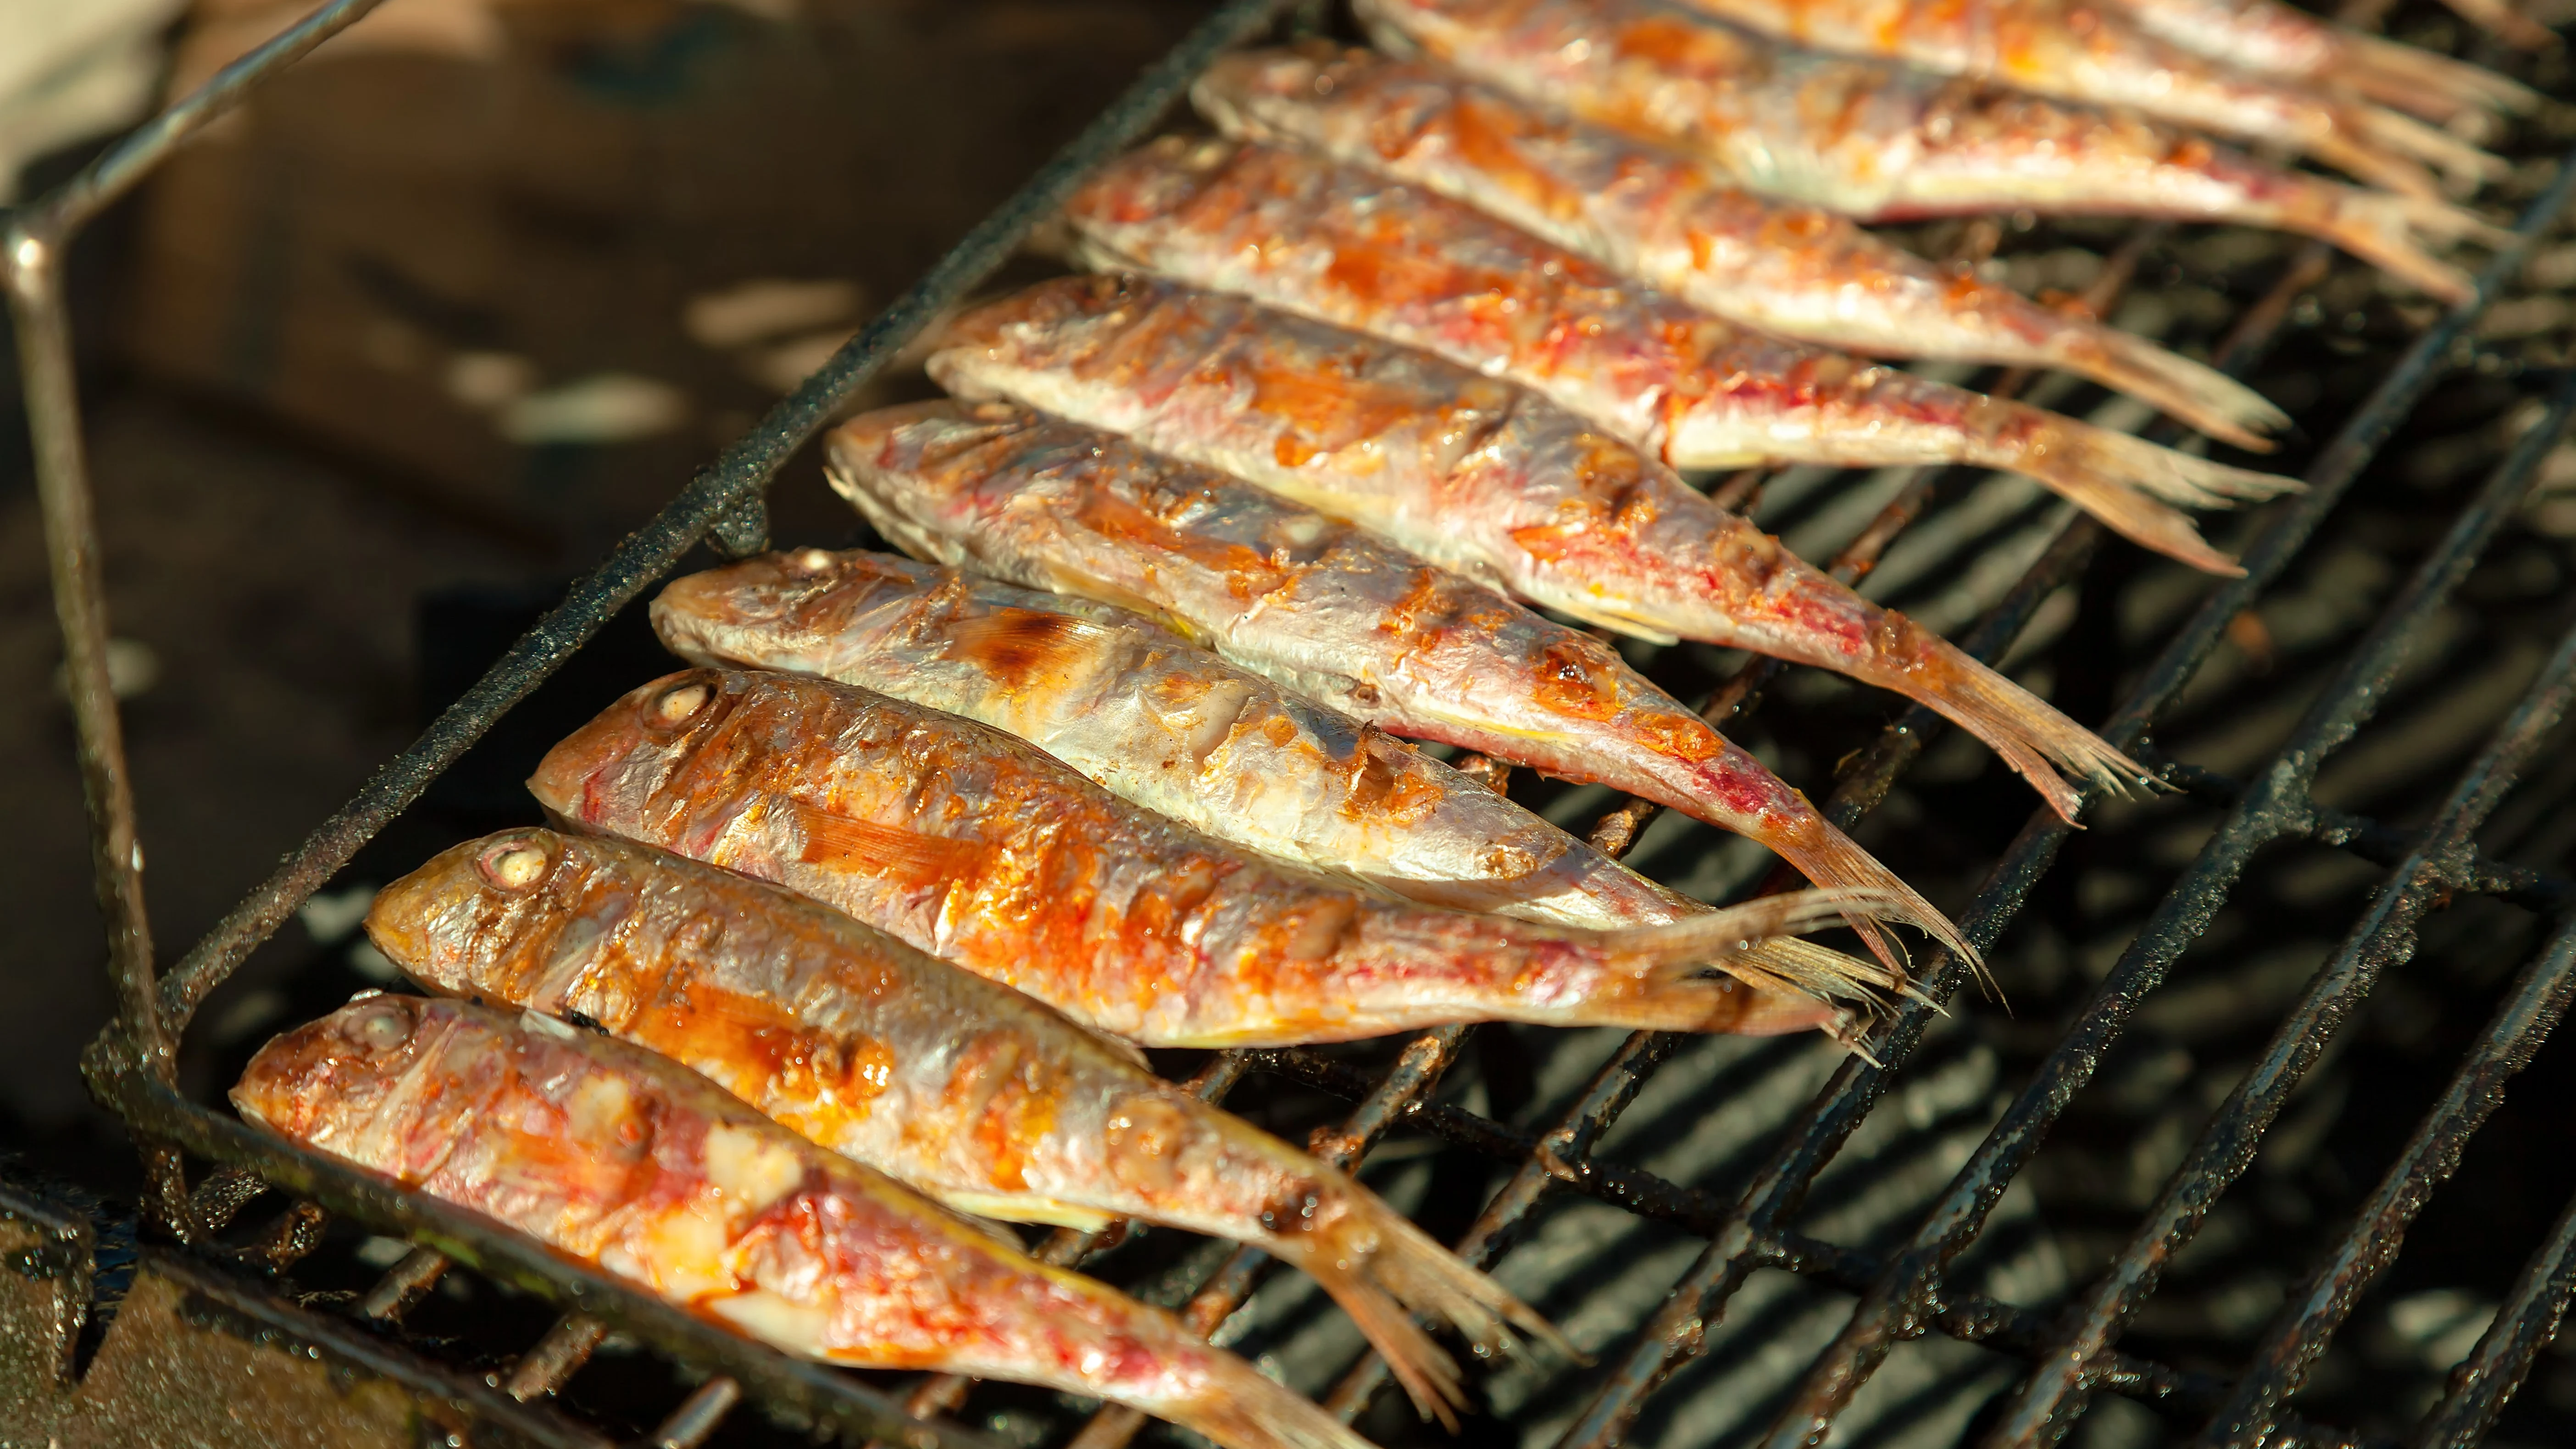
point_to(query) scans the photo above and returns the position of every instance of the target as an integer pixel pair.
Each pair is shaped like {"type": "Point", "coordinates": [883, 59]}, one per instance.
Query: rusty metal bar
{"type": "Point", "coordinates": [2524, 1325]}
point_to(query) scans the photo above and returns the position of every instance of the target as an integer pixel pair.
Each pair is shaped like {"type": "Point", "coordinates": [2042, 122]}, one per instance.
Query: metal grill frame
{"type": "Point", "coordinates": [1901, 1295]}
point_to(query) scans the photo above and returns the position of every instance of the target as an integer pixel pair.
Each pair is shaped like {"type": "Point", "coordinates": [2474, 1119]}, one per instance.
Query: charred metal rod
{"type": "Point", "coordinates": [2523, 1326]}
{"type": "Point", "coordinates": [2051, 1399]}
{"type": "Point", "coordinates": [1893, 1306]}
{"type": "Point", "coordinates": [403, 1285]}
{"type": "Point", "coordinates": [740, 471]}
{"type": "Point", "coordinates": [1416, 1071]}
{"type": "Point", "coordinates": [698, 1415]}
{"type": "Point", "coordinates": [1781, 1184]}
{"type": "Point", "coordinates": [546, 1368]}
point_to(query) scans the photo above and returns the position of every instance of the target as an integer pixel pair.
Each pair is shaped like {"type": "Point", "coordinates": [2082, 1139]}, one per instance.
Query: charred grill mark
{"type": "Point", "coordinates": [1017, 647]}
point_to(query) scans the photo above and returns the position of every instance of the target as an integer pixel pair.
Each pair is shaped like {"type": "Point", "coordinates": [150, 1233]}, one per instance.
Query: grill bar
{"type": "Point", "coordinates": [1894, 1306]}
{"type": "Point", "coordinates": [1678, 1331]}
{"type": "Point", "coordinates": [2523, 1327]}
{"type": "Point", "coordinates": [2048, 1402]}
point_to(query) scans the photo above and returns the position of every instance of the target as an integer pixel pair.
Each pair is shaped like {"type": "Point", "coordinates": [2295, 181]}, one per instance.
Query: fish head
{"type": "Point", "coordinates": [1258, 93]}
{"type": "Point", "coordinates": [1054, 326]}
{"type": "Point", "coordinates": [772, 610]}
{"type": "Point", "coordinates": [332, 1081]}
{"type": "Point", "coordinates": [490, 917]}
{"type": "Point", "coordinates": [1153, 181]}
{"type": "Point", "coordinates": [605, 775]}
{"type": "Point", "coordinates": [922, 474]}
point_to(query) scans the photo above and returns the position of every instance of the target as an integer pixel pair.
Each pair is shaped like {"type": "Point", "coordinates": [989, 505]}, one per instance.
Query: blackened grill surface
{"type": "Point", "coordinates": [2154, 1195]}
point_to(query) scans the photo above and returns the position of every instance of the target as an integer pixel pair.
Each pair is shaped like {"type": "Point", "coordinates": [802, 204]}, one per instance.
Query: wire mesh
{"type": "Point", "coordinates": [1901, 1293]}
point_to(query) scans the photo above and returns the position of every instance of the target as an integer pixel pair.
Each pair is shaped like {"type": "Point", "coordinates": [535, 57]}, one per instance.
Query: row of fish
{"type": "Point", "coordinates": [871, 908]}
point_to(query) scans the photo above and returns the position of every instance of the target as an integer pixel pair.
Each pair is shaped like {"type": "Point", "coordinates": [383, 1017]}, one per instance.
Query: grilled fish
{"type": "Point", "coordinates": [2269, 38]}
{"type": "Point", "coordinates": [1480, 477]}
{"type": "Point", "coordinates": [1322, 608]}
{"type": "Point", "coordinates": [1348, 247]}
{"type": "Point", "coordinates": [967, 1090]}
{"type": "Point", "coordinates": [2080, 51]}
{"type": "Point", "coordinates": [982, 850]}
{"type": "Point", "coordinates": [612, 1156]}
{"type": "Point", "coordinates": [1159, 722]}
{"type": "Point", "coordinates": [1664, 219]}
{"type": "Point", "coordinates": [1885, 143]}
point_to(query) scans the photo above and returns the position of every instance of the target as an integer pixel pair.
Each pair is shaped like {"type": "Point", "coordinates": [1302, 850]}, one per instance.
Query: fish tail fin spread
{"type": "Point", "coordinates": [2399, 235]}
{"type": "Point", "coordinates": [2508, 23]}
{"type": "Point", "coordinates": [2464, 165]}
{"type": "Point", "coordinates": [2129, 484]}
{"type": "Point", "coordinates": [1385, 1272]}
{"type": "Point", "coordinates": [1829, 858]}
{"type": "Point", "coordinates": [2194, 393]}
{"type": "Point", "coordinates": [2432, 85]}
{"type": "Point", "coordinates": [2027, 731]}
{"type": "Point", "coordinates": [1237, 1407]}
{"type": "Point", "coordinates": [1657, 978]}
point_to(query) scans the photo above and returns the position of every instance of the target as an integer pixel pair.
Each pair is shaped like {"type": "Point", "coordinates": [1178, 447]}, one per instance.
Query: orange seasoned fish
{"type": "Point", "coordinates": [969, 1091]}
{"type": "Point", "coordinates": [1346, 246]}
{"type": "Point", "coordinates": [615, 1157]}
{"type": "Point", "coordinates": [1666, 220]}
{"type": "Point", "coordinates": [2081, 51]}
{"type": "Point", "coordinates": [1159, 722]}
{"type": "Point", "coordinates": [1478, 476]}
{"type": "Point", "coordinates": [1880, 142]}
{"type": "Point", "coordinates": [981, 849]}
{"type": "Point", "coordinates": [2273, 39]}
{"type": "Point", "coordinates": [1322, 608]}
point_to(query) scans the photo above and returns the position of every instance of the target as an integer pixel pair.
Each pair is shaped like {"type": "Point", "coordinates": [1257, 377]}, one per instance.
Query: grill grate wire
{"type": "Point", "coordinates": [1900, 1294]}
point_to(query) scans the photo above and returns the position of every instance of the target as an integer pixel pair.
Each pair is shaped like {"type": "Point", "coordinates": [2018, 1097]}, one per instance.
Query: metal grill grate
{"type": "Point", "coordinates": [1901, 1293]}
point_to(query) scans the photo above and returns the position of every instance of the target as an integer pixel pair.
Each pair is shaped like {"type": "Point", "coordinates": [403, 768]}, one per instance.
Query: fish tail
{"type": "Point", "coordinates": [1387, 1273]}
{"type": "Point", "coordinates": [2392, 134]}
{"type": "Point", "coordinates": [2398, 234]}
{"type": "Point", "coordinates": [1730, 940]}
{"type": "Point", "coordinates": [2508, 23]}
{"type": "Point", "coordinates": [2429, 84]}
{"type": "Point", "coordinates": [1240, 1409]}
{"type": "Point", "coordinates": [1829, 858]}
{"type": "Point", "coordinates": [2193, 392]}
{"type": "Point", "coordinates": [2128, 483]}
{"type": "Point", "coordinates": [2027, 731]}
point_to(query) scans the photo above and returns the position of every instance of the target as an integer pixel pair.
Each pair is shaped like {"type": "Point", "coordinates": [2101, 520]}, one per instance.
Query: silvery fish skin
{"type": "Point", "coordinates": [1479, 476]}
{"type": "Point", "coordinates": [2080, 51]}
{"type": "Point", "coordinates": [982, 850]}
{"type": "Point", "coordinates": [1880, 142]}
{"type": "Point", "coordinates": [969, 1091]}
{"type": "Point", "coordinates": [1319, 606]}
{"type": "Point", "coordinates": [1667, 220]}
{"type": "Point", "coordinates": [1159, 722]}
{"type": "Point", "coordinates": [1346, 246]}
{"type": "Point", "coordinates": [2273, 39]}
{"type": "Point", "coordinates": [615, 1157]}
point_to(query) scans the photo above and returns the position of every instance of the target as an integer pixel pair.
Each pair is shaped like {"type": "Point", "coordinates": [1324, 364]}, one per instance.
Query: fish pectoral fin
{"type": "Point", "coordinates": [882, 850]}
{"type": "Point", "coordinates": [1613, 620]}
{"type": "Point", "coordinates": [1027, 1208]}
{"type": "Point", "coordinates": [1080, 585]}
{"type": "Point", "coordinates": [1127, 1050]}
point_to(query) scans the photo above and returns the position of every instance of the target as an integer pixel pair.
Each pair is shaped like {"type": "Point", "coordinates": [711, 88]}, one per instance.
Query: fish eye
{"type": "Point", "coordinates": [384, 1025]}
{"type": "Point", "coordinates": [679, 704]}
{"type": "Point", "coordinates": [514, 865]}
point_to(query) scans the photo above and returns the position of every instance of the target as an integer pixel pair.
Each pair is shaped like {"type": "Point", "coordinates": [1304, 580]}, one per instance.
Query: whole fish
{"type": "Point", "coordinates": [2274, 39]}
{"type": "Point", "coordinates": [1666, 220]}
{"type": "Point", "coordinates": [1477, 476]}
{"type": "Point", "coordinates": [2077, 50]}
{"type": "Point", "coordinates": [969, 1091]}
{"type": "Point", "coordinates": [614, 1157]}
{"type": "Point", "coordinates": [1322, 608]}
{"type": "Point", "coordinates": [1159, 722]}
{"type": "Point", "coordinates": [982, 850]}
{"type": "Point", "coordinates": [1346, 246]}
{"type": "Point", "coordinates": [1879, 142]}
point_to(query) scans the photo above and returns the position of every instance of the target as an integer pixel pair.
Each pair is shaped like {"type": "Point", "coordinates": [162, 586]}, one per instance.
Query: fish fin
{"type": "Point", "coordinates": [2466, 166]}
{"type": "Point", "coordinates": [1020, 646]}
{"type": "Point", "coordinates": [2397, 233]}
{"type": "Point", "coordinates": [1614, 621]}
{"type": "Point", "coordinates": [1664, 982]}
{"type": "Point", "coordinates": [1827, 857]}
{"type": "Point", "coordinates": [2428, 83]}
{"type": "Point", "coordinates": [2508, 23]}
{"type": "Point", "coordinates": [2192, 392]}
{"type": "Point", "coordinates": [1428, 1373]}
{"type": "Point", "coordinates": [2122, 481]}
{"type": "Point", "coordinates": [882, 850]}
{"type": "Point", "coordinates": [1119, 1046]}
{"type": "Point", "coordinates": [1239, 1408]}
{"type": "Point", "coordinates": [1025, 1208]}
{"type": "Point", "coordinates": [1723, 939]}
{"type": "Point", "coordinates": [1432, 1281]}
